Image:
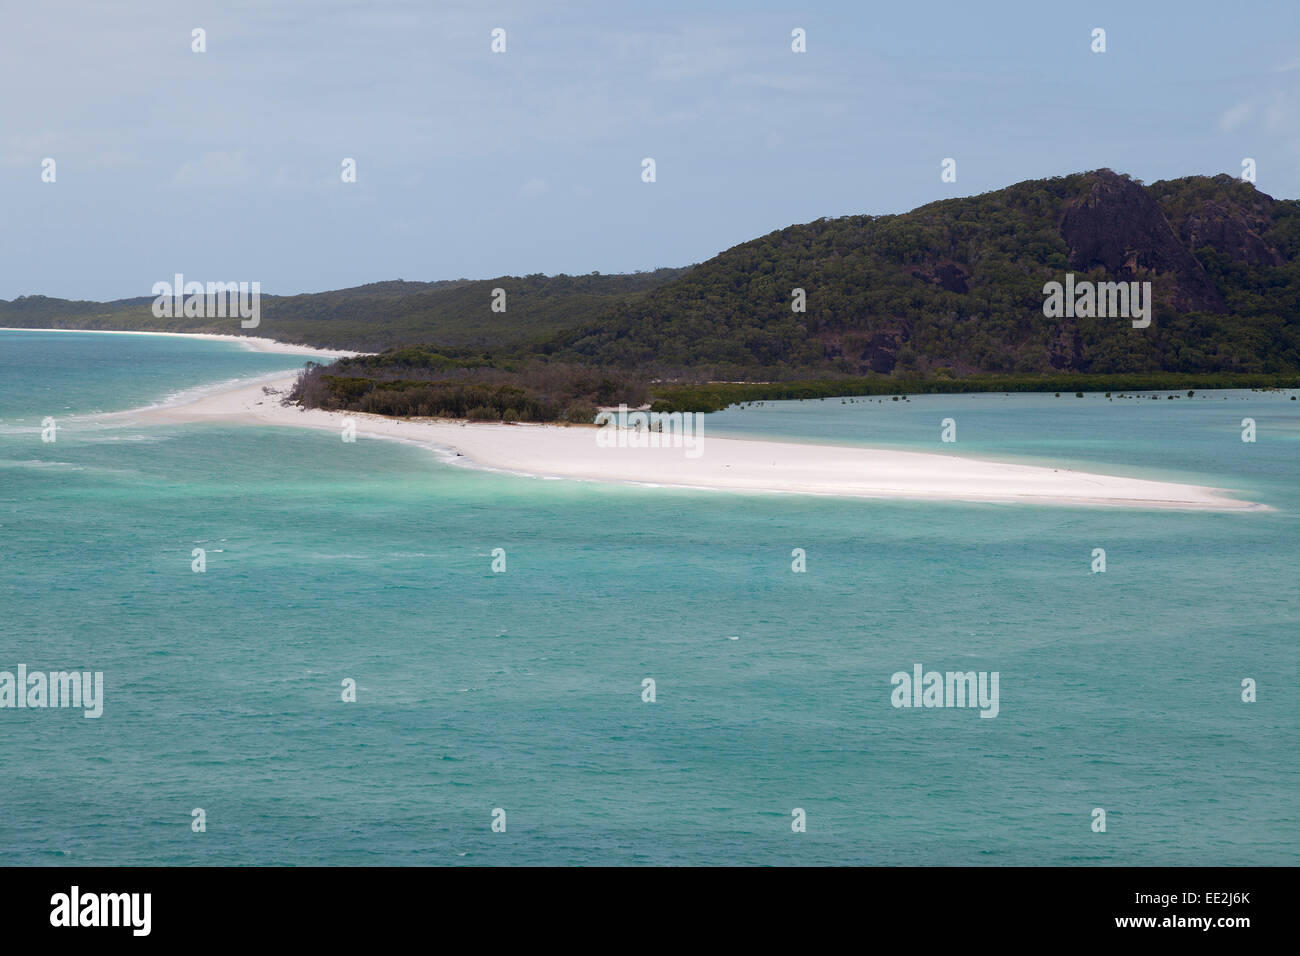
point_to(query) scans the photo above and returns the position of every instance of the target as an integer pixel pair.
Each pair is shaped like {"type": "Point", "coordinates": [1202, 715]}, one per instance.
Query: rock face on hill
{"type": "Point", "coordinates": [1236, 231]}
{"type": "Point", "coordinates": [1118, 227]}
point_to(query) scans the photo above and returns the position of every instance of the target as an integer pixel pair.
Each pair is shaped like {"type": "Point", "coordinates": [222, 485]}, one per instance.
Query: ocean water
{"type": "Point", "coordinates": [522, 690]}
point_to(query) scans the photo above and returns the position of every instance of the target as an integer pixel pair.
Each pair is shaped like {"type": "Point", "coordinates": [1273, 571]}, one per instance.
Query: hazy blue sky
{"type": "Point", "coordinates": [225, 165]}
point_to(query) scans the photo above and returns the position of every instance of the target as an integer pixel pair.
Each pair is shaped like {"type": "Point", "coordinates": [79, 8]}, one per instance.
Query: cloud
{"type": "Point", "coordinates": [214, 170]}
{"type": "Point", "coordinates": [1233, 117]}
{"type": "Point", "coordinates": [534, 188]}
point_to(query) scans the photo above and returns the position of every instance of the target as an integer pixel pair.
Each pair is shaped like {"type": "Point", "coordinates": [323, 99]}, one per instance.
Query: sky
{"type": "Point", "coordinates": [226, 165]}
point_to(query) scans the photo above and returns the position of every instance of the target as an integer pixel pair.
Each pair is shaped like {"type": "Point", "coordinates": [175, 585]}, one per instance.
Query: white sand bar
{"type": "Point", "coordinates": [724, 463]}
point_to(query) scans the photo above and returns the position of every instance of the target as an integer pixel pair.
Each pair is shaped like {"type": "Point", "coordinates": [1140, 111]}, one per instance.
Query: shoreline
{"type": "Point", "coordinates": [253, 343]}
{"type": "Point", "coordinates": [726, 464]}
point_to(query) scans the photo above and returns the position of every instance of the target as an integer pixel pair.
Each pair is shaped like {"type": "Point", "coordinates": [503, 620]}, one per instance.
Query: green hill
{"type": "Point", "coordinates": [378, 315]}
{"type": "Point", "coordinates": [958, 285]}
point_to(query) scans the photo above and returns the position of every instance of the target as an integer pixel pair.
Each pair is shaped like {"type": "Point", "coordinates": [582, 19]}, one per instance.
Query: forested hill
{"type": "Point", "coordinates": [956, 287]}
{"type": "Point", "coordinates": [378, 315]}
{"type": "Point", "coordinates": [951, 289]}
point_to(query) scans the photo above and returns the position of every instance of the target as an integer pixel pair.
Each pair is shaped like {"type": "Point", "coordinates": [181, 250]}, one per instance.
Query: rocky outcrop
{"type": "Point", "coordinates": [1120, 228]}
{"type": "Point", "coordinates": [1231, 230]}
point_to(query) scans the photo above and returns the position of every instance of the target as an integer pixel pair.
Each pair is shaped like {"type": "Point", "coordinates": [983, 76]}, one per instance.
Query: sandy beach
{"type": "Point", "coordinates": [251, 342]}
{"type": "Point", "coordinates": [725, 464]}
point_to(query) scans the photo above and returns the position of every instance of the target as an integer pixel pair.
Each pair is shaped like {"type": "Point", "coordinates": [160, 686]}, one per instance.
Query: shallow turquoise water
{"type": "Point", "coordinates": [522, 690]}
{"type": "Point", "coordinates": [65, 373]}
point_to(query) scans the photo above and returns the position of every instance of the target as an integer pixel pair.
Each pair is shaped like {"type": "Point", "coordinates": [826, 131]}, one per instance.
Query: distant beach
{"type": "Point", "coordinates": [251, 342]}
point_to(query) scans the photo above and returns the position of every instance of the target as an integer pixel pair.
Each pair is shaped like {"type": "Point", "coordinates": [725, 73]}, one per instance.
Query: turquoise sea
{"type": "Point", "coordinates": [522, 690]}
